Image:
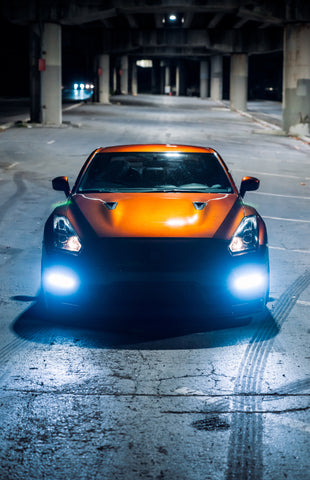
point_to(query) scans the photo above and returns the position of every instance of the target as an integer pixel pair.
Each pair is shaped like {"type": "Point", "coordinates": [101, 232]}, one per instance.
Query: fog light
{"type": "Point", "coordinates": [60, 281]}
{"type": "Point", "coordinates": [248, 282]}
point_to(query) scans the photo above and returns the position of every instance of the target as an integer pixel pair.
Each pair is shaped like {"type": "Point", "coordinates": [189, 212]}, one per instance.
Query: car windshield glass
{"type": "Point", "coordinates": [155, 172]}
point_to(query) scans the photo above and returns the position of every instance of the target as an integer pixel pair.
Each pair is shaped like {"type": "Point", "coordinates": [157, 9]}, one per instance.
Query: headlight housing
{"type": "Point", "coordinates": [65, 237]}
{"type": "Point", "coordinates": [245, 237]}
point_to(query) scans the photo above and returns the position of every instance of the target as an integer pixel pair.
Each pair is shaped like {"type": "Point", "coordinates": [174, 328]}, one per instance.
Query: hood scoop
{"type": "Point", "coordinates": [199, 205]}
{"type": "Point", "coordinates": [110, 205]}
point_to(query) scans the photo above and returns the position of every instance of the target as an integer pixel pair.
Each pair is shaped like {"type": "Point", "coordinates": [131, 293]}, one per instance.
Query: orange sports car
{"type": "Point", "coordinates": [141, 215]}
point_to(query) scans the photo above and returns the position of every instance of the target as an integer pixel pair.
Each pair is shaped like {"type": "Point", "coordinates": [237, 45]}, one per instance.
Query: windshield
{"type": "Point", "coordinates": [155, 172]}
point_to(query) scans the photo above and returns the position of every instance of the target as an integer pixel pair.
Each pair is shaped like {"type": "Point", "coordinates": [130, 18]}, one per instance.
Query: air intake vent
{"type": "Point", "coordinates": [111, 205]}
{"type": "Point", "coordinates": [199, 205]}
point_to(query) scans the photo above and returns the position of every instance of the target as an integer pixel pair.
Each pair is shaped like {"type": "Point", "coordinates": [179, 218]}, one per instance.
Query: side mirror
{"type": "Point", "coordinates": [61, 184]}
{"type": "Point", "coordinates": [248, 184]}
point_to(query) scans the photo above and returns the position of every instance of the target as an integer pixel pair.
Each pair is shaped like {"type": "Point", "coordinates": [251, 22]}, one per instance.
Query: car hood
{"type": "Point", "coordinates": [155, 214]}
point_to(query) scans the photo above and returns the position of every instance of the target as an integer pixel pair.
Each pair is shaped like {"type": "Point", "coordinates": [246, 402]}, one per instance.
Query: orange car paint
{"type": "Point", "coordinates": [157, 214]}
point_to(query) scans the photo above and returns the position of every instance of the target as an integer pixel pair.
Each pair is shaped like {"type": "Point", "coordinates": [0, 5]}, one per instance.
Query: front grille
{"type": "Point", "coordinates": [160, 255]}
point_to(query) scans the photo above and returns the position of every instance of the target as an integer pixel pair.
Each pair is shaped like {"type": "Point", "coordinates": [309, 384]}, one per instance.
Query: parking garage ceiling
{"type": "Point", "coordinates": [169, 27]}
{"type": "Point", "coordinates": [143, 14]}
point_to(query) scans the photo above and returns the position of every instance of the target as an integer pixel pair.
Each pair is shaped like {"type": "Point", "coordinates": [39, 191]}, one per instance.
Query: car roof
{"type": "Point", "coordinates": [156, 148]}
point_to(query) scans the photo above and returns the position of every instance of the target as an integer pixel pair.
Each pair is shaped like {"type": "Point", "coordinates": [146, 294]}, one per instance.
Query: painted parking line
{"type": "Point", "coordinates": [12, 165]}
{"type": "Point", "coordinates": [304, 303]}
{"type": "Point", "coordinates": [297, 220]}
{"type": "Point", "coordinates": [289, 250]}
{"type": "Point", "coordinates": [281, 175]}
{"type": "Point", "coordinates": [299, 197]}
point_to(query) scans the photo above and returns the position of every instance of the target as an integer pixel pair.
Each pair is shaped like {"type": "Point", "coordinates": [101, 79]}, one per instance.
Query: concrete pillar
{"type": "Point", "coordinates": [204, 79]}
{"type": "Point", "coordinates": [177, 81]}
{"type": "Point", "coordinates": [239, 81]}
{"type": "Point", "coordinates": [134, 78]}
{"type": "Point", "coordinates": [51, 76]}
{"type": "Point", "coordinates": [217, 77]}
{"type": "Point", "coordinates": [167, 79]}
{"type": "Point", "coordinates": [104, 78]}
{"type": "Point", "coordinates": [156, 77]}
{"type": "Point", "coordinates": [34, 73]}
{"type": "Point", "coordinates": [296, 79]}
{"type": "Point", "coordinates": [115, 79]}
{"type": "Point", "coordinates": [124, 75]}
{"type": "Point", "coordinates": [162, 80]}
{"type": "Point", "coordinates": [182, 77]}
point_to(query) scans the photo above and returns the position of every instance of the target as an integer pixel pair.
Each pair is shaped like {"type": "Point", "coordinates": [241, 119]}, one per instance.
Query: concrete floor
{"type": "Point", "coordinates": [165, 401]}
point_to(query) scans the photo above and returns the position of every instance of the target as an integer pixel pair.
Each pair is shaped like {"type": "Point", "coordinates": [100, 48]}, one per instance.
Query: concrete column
{"type": "Point", "coordinates": [104, 78]}
{"type": "Point", "coordinates": [134, 78]}
{"type": "Point", "coordinates": [182, 77]}
{"type": "Point", "coordinates": [156, 77]}
{"type": "Point", "coordinates": [34, 73]}
{"type": "Point", "coordinates": [124, 75]}
{"type": "Point", "coordinates": [239, 81]}
{"type": "Point", "coordinates": [204, 79]}
{"type": "Point", "coordinates": [51, 76]}
{"type": "Point", "coordinates": [217, 77]}
{"type": "Point", "coordinates": [177, 81]}
{"type": "Point", "coordinates": [114, 79]}
{"type": "Point", "coordinates": [167, 79]}
{"type": "Point", "coordinates": [296, 79]}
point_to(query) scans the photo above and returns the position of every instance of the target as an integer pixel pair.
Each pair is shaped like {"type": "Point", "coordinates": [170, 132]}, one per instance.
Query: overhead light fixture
{"type": "Point", "coordinates": [145, 63]}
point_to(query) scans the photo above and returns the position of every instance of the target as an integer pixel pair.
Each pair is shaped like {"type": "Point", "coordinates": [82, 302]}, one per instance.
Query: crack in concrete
{"type": "Point", "coordinates": [169, 395]}
{"type": "Point", "coordinates": [246, 412]}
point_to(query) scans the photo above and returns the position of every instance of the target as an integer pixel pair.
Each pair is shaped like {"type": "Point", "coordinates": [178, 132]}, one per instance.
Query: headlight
{"type": "Point", "coordinates": [245, 237]}
{"type": "Point", "coordinates": [65, 237]}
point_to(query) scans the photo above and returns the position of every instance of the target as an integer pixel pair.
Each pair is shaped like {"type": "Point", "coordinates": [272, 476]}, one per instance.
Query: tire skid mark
{"type": "Point", "coordinates": [20, 190]}
{"type": "Point", "coordinates": [11, 348]}
{"type": "Point", "coordinates": [245, 455]}
{"type": "Point", "coordinates": [292, 388]}
{"type": "Point", "coordinates": [16, 346]}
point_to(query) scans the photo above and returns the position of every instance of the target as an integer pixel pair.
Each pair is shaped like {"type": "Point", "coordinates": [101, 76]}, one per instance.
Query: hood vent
{"type": "Point", "coordinates": [199, 205]}
{"type": "Point", "coordinates": [111, 205]}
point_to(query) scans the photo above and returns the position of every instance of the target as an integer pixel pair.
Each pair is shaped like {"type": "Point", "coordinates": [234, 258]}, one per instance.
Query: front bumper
{"type": "Point", "coordinates": [149, 269]}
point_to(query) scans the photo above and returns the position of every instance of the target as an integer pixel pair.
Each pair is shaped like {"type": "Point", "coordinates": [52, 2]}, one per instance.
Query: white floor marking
{"type": "Point", "coordinates": [297, 220]}
{"type": "Point", "coordinates": [304, 303]}
{"type": "Point", "coordinates": [271, 174]}
{"type": "Point", "coordinates": [12, 165]}
{"type": "Point", "coordinates": [282, 195]}
{"type": "Point", "coordinates": [290, 250]}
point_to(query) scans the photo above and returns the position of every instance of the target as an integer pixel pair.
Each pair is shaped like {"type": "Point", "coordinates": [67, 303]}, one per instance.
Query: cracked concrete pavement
{"type": "Point", "coordinates": [164, 400]}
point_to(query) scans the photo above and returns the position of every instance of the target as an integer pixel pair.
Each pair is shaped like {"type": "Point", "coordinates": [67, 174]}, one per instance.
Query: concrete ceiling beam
{"type": "Point", "coordinates": [215, 20]}
{"type": "Point", "coordinates": [78, 12]}
{"type": "Point", "coordinates": [224, 41]}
